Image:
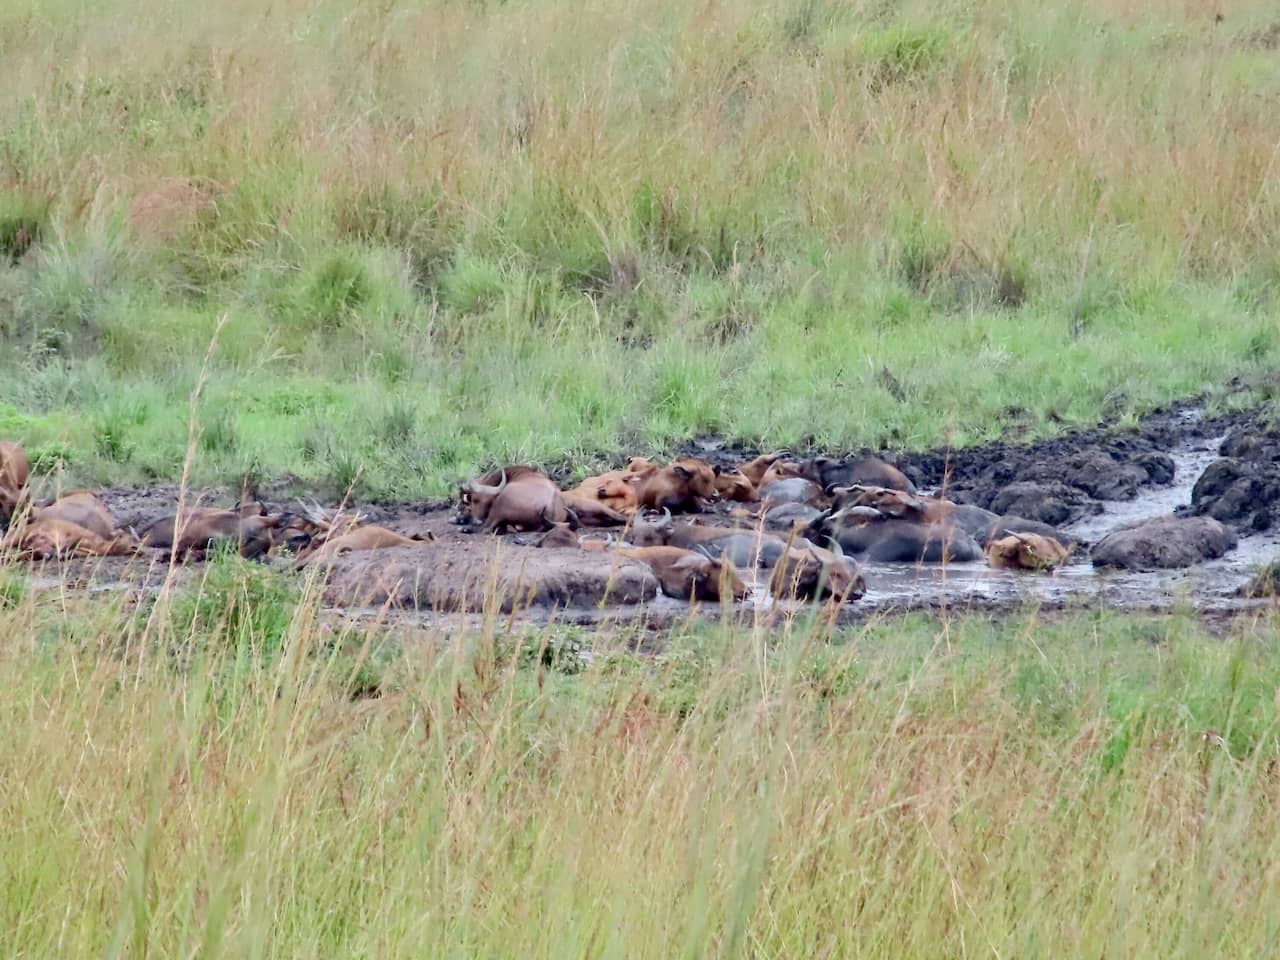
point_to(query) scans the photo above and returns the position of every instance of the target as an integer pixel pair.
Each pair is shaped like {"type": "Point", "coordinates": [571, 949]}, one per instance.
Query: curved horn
{"type": "Point", "coordinates": [667, 520]}
{"type": "Point", "coordinates": [574, 522]}
{"type": "Point", "coordinates": [484, 490]}
{"type": "Point", "coordinates": [311, 511]}
{"type": "Point", "coordinates": [836, 548]}
{"type": "Point", "coordinates": [702, 549]}
{"type": "Point", "coordinates": [866, 513]}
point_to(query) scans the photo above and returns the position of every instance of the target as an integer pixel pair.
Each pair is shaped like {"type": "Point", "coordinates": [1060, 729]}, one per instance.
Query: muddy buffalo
{"type": "Point", "coordinates": [869, 534]}
{"type": "Point", "coordinates": [686, 486]}
{"type": "Point", "coordinates": [518, 498]}
{"type": "Point", "coordinates": [61, 539]}
{"type": "Point", "coordinates": [864, 471]}
{"type": "Point", "coordinates": [690, 575]}
{"type": "Point", "coordinates": [1026, 551]}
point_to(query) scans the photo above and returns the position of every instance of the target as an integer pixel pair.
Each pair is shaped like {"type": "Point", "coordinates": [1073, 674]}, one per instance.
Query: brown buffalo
{"type": "Point", "coordinates": [15, 471]}
{"type": "Point", "coordinates": [868, 471]}
{"type": "Point", "coordinates": [61, 539]}
{"type": "Point", "coordinates": [617, 489]}
{"type": "Point", "coordinates": [754, 470]}
{"type": "Point", "coordinates": [1026, 551]}
{"type": "Point", "coordinates": [687, 575]}
{"type": "Point", "coordinates": [82, 508]}
{"type": "Point", "coordinates": [591, 513]}
{"type": "Point", "coordinates": [809, 572]}
{"type": "Point", "coordinates": [370, 537]}
{"type": "Point", "coordinates": [782, 470]}
{"type": "Point", "coordinates": [205, 528]}
{"type": "Point", "coordinates": [732, 484]}
{"type": "Point", "coordinates": [520, 498]}
{"type": "Point", "coordinates": [686, 486]}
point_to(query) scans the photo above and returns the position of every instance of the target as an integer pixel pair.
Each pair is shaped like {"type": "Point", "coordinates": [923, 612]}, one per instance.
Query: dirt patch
{"type": "Point", "coordinates": [486, 574]}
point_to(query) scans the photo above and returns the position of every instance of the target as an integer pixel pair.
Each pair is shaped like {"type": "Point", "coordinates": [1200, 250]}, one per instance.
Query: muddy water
{"type": "Point", "coordinates": [891, 587]}
{"type": "Point", "coordinates": [1209, 586]}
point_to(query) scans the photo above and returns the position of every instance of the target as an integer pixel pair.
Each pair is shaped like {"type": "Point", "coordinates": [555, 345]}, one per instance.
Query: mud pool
{"type": "Point", "coordinates": [465, 566]}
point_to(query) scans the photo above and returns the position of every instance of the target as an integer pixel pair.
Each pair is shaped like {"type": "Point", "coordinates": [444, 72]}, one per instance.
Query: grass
{"type": "Point", "coordinates": [223, 773]}
{"type": "Point", "coordinates": [793, 223]}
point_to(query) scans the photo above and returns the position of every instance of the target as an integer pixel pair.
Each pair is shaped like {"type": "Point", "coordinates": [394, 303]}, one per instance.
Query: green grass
{"type": "Point", "coordinates": [445, 234]}
{"type": "Point", "coordinates": [221, 774]}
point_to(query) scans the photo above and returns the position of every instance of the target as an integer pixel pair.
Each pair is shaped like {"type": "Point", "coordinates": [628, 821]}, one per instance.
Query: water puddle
{"type": "Point", "coordinates": [1211, 584]}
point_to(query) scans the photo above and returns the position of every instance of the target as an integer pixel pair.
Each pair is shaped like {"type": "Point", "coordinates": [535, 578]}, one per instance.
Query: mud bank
{"type": "Point", "coordinates": [1115, 479]}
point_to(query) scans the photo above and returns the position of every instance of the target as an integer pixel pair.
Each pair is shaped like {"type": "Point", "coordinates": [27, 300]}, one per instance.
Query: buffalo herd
{"type": "Point", "coordinates": [800, 526]}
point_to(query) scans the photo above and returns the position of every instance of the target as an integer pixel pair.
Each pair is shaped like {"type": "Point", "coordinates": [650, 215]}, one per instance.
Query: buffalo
{"type": "Point", "coordinates": [686, 486]}
{"type": "Point", "coordinates": [689, 575]}
{"type": "Point", "coordinates": [60, 539]}
{"type": "Point", "coordinates": [617, 489]}
{"type": "Point", "coordinates": [205, 528]}
{"type": "Point", "coordinates": [82, 508]}
{"type": "Point", "coordinates": [521, 498]}
{"type": "Point", "coordinates": [865, 532]}
{"type": "Point", "coordinates": [862, 471]}
{"type": "Point", "coordinates": [755, 470]}
{"type": "Point", "coordinates": [809, 572]}
{"type": "Point", "coordinates": [732, 483]}
{"type": "Point", "coordinates": [15, 471]}
{"type": "Point", "coordinates": [898, 504]}
{"type": "Point", "coordinates": [791, 490]}
{"type": "Point", "coordinates": [368, 537]}
{"type": "Point", "coordinates": [1026, 551]}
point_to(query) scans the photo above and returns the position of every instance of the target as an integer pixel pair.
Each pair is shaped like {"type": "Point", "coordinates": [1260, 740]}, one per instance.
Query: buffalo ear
{"type": "Point", "coordinates": [716, 470]}
{"type": "Point", "coordinates": [683, 473]}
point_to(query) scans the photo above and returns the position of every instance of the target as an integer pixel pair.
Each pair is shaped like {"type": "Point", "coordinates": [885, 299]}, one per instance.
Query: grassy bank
{"type": "Point", "coordinates": [195, 779]}
{"type": "Point", "coordinates": [447, 232]}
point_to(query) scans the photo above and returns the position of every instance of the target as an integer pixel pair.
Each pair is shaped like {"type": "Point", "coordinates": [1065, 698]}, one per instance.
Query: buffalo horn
{"type": "Point", "coordinates": [488, 491]}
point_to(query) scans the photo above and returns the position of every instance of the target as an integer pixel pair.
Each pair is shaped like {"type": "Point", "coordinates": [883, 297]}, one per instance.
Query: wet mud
{"type": "Point", "coordinates": [1102, 480]}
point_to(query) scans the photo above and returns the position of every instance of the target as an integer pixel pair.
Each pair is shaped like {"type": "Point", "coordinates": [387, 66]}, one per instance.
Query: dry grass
{"type": "Point", "coordinates": [724, 131]}
{"type": "Point", "coordinates": [900, 224]}
{"type": "Point", "coordinates": [1094, 786]}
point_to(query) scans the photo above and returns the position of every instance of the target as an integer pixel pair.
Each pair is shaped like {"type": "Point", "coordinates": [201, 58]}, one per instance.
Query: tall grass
{"type": "Point", "coordinates": [844, 222]}
{"type": "Point", "coordinates": [230, 774]}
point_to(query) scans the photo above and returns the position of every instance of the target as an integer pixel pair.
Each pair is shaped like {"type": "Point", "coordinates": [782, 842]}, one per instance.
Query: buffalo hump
{"type": "Point", "coordinates": [1164, 543]}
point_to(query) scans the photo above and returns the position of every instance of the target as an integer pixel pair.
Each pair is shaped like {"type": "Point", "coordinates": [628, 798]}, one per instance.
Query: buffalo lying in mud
{"type": "Point", "coordinates": [689, 574]}
{"type": "Point", "coordinates": [203, 529]}
{"type": "Point", "coordinates": [51, 539]}
{"type": "Point", "coordinates": [686, 486]}
{"type": "Point", "coordinates": [1026, 551]}
{"type": "Point", "coordinates": [799, 567]}
{"type": "Point", "coordinates": [871, 535]}
{"type": "Point", "coordinates": [518, 498]}
{"type": "Point", "coordinates": [864, 471]}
